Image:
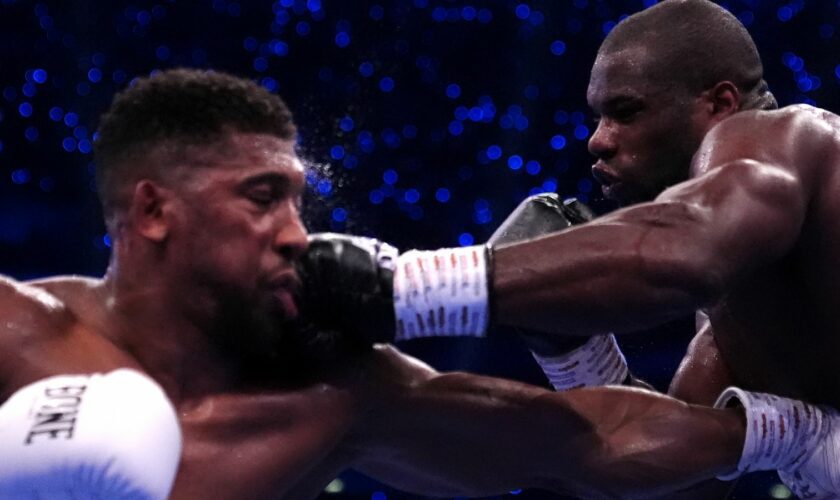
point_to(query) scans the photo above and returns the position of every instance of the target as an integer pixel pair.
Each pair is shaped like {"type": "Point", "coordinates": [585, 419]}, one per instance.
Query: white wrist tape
{"type": "Point", "coordinates": [780, 432]}
{"type": "Point", "coordinates": [441, 293]}
{"type": "Point", "coordinates": [112, 436]}
{"type": "Point", "coordinates": [596, 363]}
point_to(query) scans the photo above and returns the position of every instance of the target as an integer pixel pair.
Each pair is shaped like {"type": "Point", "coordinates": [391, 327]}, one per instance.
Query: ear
{"type": "Point", "coordinates": [724, 99]}
{"type": "Point", "coordinates": [150, 210]}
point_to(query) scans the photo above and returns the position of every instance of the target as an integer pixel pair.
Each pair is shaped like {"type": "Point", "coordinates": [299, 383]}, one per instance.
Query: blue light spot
{"type": "Point", "coordinates": [339, 214]}
{"type": "Point", "coordinates": [581, 132]}
{"type": "Point", "coordinates": [94, 75]}
{"type": "Point", "coordinates": [376, 196]}
{"type": "Point", "coordinates": [805, 84]}
{"type": "Point", "coordinates": [39, 75]}
{"type": "Point", "coordinates": [366, 69]}
{"type": "Point", "coordinates": [476, 114]}
{"type": "Point", "coordinates": [144, 18]}
{"type": "Point", "coordinates": [784, 13]}
{"type": "Point", "coordinates": [515, 492]}
{"type": "Point", "coordinates": [453, 91]}
{"type": "Point", "coordinates": [350, 162]}
{"type": "Point", "coordinates": [386, 84]}
{"type": "Point", "coordinates": [533, 167]}
{"type": "Point", "coordinates": [21, 176]}
{"type": "Point", "coordinates": [250, 44]}
{"type": "Point", "coordinates": [439, 14]}
{"type": "Point", "coordinates": [523, 11]}
{"type": "Point", "coordinates": [346, 124]}
{"type": "Point", "coordinates": [302, 28]}
{"type": "Point", "coordinates": [558, 142]}
{"type": "Point", "coordinates": [468, 13]}
{"type": "Point", "coordinates": [515, 162]}
{"type": "Point", "coordinates": [29, 90]}
{"type": "Point", "coordinates": [532, 92]}
{"type": "Point", "coordinates": [485, 16]}
{"type": "Point", "coordinates": [377, 12]}
{"type": "Point", "coordinates": [409, 131]}
{"type": "Point", "coordinates": [25, 109]}
{"type": "Point", "coordinates": [342, 39]}
{"type": "Point", "coordinates": [85, 146]}
{"type": "Point", "coordinates": [106, 240]}
{"type": "Point", "coordinates": [69, 144]}
{"type": "Point", "coordinates": [461, 113]}
{"type": "Point", "coordinates": [324, 186]}
{"type": "Point", "coordinates": [456, 127]}
{"type": "Point", "coordinates": [366, 142]}
{"type": "Point", "coordinates": [378, 495]}
{"type": "Point", "coordinates": [607, 26]}
{"type": "Point", "coordinates": [269, 83]}
{"type": "Point", "coordinates": [56, 113]}
{"type": "Point", "coordinates": [313, 5]}
{"type": "Point", "coordinates": [521, 123]}
{"type": "Point", "coordinates": [260, 64]}
{"type": "Point", "coordinates": [442, 195]}
{"type": "Point", "coordinates": [494, 152]}
{"type": "Point", "coordinates": [80, 132]}
{"type": "Point", "coordinates": [280, 48]}
{"type": "Point", "coordinates": [465, 239]}
{"type": "Point", "coordinates": [837, 71]}
{"type": "Point", "coordinates": [584, 185]}
{"type": "Point", "coordinates": [647, 3]}
{"type": "Point", "coordinates": [747, 17]}
{"type": "Point", "coordinates": [337, 152]}
{"type": "Point", "coordinates": [412, 195]}
{"type": "Point", "coordinates": [550, 185]}
{"type": "Point", "coordinates": [390, 176]}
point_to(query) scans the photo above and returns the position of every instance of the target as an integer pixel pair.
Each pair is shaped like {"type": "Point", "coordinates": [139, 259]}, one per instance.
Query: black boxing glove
{"type": "Point", "coordinates": [568, 362]}
{"type": "Point", "coordinates": [348, 287]}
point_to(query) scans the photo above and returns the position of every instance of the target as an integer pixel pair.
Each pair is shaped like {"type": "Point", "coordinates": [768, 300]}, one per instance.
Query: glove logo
{"type": "Point", "coordinates": [55, 413]}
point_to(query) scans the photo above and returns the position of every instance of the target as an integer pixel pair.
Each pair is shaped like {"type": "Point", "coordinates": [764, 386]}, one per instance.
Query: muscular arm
{"type": "Point", "coordinates": [652, 262]}
{"type": "Point", "coordinates": [460, 434]}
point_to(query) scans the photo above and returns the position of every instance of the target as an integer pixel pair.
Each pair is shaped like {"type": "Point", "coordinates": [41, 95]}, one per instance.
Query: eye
{"type": "Point", "coordinates": [263, 196]}
{"type": "Point", "coordinates": [626, 114]}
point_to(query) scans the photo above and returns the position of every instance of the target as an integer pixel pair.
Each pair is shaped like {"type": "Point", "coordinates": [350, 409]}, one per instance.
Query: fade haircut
{"type": "Point", "coordinates": [695, 44]}
{"type": "Point", "coordinates": [176, 109]}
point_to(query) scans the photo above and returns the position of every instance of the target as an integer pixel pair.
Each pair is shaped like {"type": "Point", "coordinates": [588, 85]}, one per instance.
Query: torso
{"type": "Point", "coordinates": [777, 331]}
{"type": "Point", "coordinates": [269, 443]}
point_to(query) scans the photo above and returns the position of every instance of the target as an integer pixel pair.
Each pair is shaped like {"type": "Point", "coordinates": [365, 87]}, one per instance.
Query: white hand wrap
{"type": "Point", "coordinates": [800, 440]}
{"type": "Point", "coordinates": [441, 293]}
{"type": "Point", "coordinates": [596, 363]}
{"type": "Point", "coordinates": [113, 436]}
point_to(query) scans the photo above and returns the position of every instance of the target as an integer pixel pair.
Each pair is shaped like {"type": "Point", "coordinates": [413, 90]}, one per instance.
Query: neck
{"type": "Point", "coordinates": [166, 329]}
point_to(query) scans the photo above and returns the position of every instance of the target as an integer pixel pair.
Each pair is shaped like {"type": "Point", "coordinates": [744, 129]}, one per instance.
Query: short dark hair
{"type": "Point", "coordinates": [181, 107]}
{"type": "Point", "coordinates": [697, 44]}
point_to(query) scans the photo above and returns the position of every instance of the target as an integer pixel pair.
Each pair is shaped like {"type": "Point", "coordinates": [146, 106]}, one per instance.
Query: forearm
{"type": "Point", "coordinates": [627, 271]}
{"type": "Point", "coordinates": [466, 435]}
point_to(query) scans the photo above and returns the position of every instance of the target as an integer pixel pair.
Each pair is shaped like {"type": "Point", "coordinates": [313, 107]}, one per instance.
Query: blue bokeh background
{"type": "Point", "coordinates": [424, 121]}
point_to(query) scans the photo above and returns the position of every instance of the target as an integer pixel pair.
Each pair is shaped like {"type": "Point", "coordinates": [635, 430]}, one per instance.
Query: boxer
{"type": "Point", "coordinates": [729, 211]}
{"type": "Point", "coordinates": [178, 374]}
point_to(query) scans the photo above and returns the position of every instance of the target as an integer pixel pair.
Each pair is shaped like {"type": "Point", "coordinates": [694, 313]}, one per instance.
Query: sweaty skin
{"type": "Point", "coordinates": [751, 239]}
{"type": "Point", "coordinates": [384, 414]}
{"type": "Point", "coordinates": [210, 257]}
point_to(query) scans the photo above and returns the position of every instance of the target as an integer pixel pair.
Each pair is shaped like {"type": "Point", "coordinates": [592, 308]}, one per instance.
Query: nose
{"type": "Point", "coordinates": [603, 141]}
{"type": "Point", "coordinates": [291, 238]}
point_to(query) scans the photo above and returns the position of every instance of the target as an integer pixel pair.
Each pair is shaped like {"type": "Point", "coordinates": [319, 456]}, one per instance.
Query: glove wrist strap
{"type": "Point", "coordinates": [596, 363]}
{"type": "Point", "coordinates": [441, 293]}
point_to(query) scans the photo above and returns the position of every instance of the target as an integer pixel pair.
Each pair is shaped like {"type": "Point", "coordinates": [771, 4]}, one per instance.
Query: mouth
{"type": "Point", "coordinates": [609, 182]}
{"type": "Point", "coordinates": [284, 288]}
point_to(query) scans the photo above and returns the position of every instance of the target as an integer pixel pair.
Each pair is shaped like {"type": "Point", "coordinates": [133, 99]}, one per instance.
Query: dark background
{"type": "Point", "coordinates": [424, 122]}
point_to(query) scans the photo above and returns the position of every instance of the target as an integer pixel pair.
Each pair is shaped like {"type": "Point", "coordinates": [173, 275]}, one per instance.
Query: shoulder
{"type": "Point", "coordinates": [29, 315]}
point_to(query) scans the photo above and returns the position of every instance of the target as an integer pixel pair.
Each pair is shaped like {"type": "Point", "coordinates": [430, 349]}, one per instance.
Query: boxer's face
{"type": "Point", "coordinates": [647, 130]}
{"type": "Point", "coordinates": [240, 226]}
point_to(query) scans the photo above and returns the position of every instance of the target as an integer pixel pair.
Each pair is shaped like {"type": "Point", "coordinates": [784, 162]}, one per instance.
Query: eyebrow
{"type": "Point", "coordinates": [274, 179]}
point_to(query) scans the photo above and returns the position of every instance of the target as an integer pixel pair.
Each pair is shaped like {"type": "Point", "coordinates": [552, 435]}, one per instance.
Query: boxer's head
{"type": "Point", "coordinates": [198, 175]}
{"type": "Point", "coordinates": [662, 78]}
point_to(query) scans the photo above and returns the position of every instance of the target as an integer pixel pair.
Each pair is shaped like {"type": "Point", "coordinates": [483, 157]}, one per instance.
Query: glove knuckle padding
{"type": "Point", "coordinates": [89, 436]}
